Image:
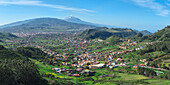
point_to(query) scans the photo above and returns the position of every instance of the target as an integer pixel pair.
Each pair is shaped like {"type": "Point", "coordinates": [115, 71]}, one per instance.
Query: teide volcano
{"type": "Point", "coordinates": [44, 24]}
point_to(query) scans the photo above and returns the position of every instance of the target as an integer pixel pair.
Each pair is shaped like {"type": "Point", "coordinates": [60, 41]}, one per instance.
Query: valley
{"type": "Point", "coordinates": [84, 42]}
{"type": "Point", "coordinates": [75, 58]}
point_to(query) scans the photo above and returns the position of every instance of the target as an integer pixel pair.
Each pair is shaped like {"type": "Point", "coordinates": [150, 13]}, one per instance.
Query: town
{"type": "Point", "coordinates": [82, 55]}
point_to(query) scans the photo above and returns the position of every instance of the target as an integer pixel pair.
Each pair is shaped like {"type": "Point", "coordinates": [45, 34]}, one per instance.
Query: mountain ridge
{"type": "Point", "coordinates": [15, 23]}
{"type": "Point", "coordinates": [7, 36]}
{"type": "Point", "coordinates": [104, 33]}
{"type": "Point", "coordinates": [77, 20]}
{"type": "Point", "coordinates": [46, 24]}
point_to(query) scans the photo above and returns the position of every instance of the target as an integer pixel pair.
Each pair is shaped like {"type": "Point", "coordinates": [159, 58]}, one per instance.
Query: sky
{"type": "Point", "coordinates": [149, 15]}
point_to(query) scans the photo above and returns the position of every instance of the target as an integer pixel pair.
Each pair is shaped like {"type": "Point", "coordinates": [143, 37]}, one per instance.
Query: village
{"type": "Point", "coordinates": [83, 55]}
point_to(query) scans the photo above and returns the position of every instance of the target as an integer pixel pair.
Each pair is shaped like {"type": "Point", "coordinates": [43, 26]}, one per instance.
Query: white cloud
{"type": "Point", "coordinates": [168, 4]}
{"type": "Point", "coordinates": [152, 4]}
{"type": "Point", "coordinates": [164, 12]}
{"type": "Point", "coordinates": [40, 3]}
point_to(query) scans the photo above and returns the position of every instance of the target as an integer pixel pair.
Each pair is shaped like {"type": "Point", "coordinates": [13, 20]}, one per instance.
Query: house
{"type": "Point", "coordinates": [98, 65]}
{"type": "Point", "coordinates": [159, 72]}
{"type": "Point", "coordinates": [146, 63]}
{"type": "Point", "coordinates": [69, 71]}
{"type": "Point", "coordinates": [143, 60]}
{"type": "Point", "coordinates": [56, 69]}
{"type": "Point", "coordinates": [135, 66]}
{"type": "Point", "coordinates": [76, 75]}
{"type": "Point", "coordinates": [119, 59]}
{"type": "Point", "coordinates": [63, 69]}
{"type": "Point", "coordinates": [112, 66]}
{"type": "Point", "coordinates": [100, 40]}
{"type": "Point", "coordinates": [79, 69]}
{"type": "Point", "coordinates": [141, 65]}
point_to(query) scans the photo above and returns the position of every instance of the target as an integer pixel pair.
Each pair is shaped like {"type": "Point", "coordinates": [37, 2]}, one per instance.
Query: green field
{"type": "Point", "coordinates": [120, 78]}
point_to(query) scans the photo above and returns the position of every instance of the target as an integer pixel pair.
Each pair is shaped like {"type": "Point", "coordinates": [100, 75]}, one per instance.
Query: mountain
{"type": "Point", "coordinates": [77, 20]}
{"type": "Point", "coordinates": [45, 24]}
{"type": "Point", "coordinates": [145, 32]}
{"type": "Point", "coordinates": [7, 36]}
{"type": "Point", "coordinates": [16, 23]}
{"type": "Point", "coordinates": [161, 35]}
{"type": "Point", "coordinates": [104, 33]}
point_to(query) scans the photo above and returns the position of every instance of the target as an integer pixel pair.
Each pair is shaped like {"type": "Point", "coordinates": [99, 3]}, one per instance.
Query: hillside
{"type": "Point", "coordinates": [104, 33]}
{"type": "Point", "coordinates": [157, 51]}
{"type": "Point", "coordinates": [18, 70]}
{"type": "Point", "coordinates": [46, 24]}
{"type": "Point", "coordinates": [145, 32]}
{"type": "Point", "coordinates": [31, 52]}
{"type": "Point", "coordinates": [161, 35]}
{"type": "Point", "coordinates": [7, 36]}
{"type": "Point", "coordinates": [16, 23]}
{"type": "Point", "coordinates": [113, 40]}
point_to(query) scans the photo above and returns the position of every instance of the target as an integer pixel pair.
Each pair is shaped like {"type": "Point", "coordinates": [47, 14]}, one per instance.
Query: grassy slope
{"type": "Point", "coordinates": [125, 77]}
{"type": "Point", "coordinates": [47, 69]}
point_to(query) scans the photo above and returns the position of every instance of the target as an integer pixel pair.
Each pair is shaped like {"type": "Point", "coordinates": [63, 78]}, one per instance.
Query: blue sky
{"type": "Point", "coordinates": [149, 15]}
